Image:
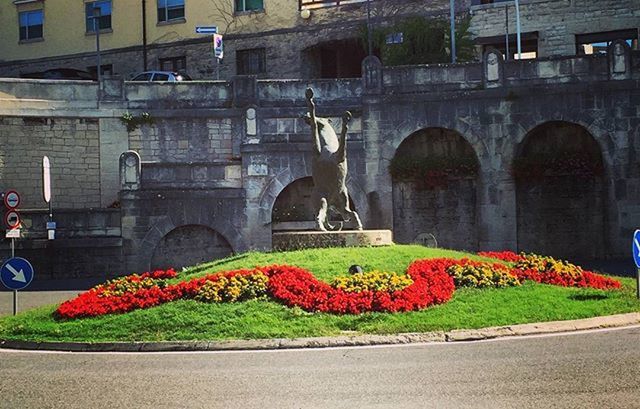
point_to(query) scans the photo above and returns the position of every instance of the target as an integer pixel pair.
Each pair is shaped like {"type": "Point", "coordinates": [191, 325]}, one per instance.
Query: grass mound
{"type": "Point", "coordinates": [193, 320]}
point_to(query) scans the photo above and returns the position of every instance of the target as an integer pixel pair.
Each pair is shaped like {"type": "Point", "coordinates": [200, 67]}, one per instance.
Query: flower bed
{"type": "Point", "coordinates": [427, 282]}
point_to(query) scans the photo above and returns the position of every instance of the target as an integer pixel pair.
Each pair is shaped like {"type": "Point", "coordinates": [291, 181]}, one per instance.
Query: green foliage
{"type": "Point", "coordinates": [425, 41]}
{"type": "Point", "coordinates": [132, 122]}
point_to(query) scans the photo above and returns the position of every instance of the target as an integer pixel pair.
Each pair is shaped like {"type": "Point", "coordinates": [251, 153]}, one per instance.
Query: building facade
{"type": "Point", "coordinates": [268, 38]}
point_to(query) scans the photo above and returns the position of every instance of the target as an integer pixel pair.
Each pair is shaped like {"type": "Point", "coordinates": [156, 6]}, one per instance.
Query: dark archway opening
{"type": "Point", "coordinates": [294, 209]}
{"type": "Point", "coordinates": [434, 174]}
{"type": "Point", "coordinates": [560, 192]}
{"type": "Point", "coordinates": [189, 245]}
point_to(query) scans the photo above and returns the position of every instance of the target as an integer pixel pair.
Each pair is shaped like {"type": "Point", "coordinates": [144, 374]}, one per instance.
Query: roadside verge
{"type": "Point", "coordinates": [611, 321]}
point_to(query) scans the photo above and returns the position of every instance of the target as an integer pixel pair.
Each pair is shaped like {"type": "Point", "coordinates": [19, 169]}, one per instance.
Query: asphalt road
{"type": "Point", "coordinates": [599, 369]}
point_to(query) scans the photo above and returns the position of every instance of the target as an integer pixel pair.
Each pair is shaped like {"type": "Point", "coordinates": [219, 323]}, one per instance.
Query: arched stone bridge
{"type": "Point", "coordinates": [538, 155]}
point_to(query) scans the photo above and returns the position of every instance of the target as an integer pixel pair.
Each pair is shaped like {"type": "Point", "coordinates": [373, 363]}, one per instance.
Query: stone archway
{"type": "Point", "coordinates": [294, 210]}
{"type": "Point", "coordinates": [434, 182]}
{"type": "Point", "coordinates": [189, 245]}
{"type": "Point", "coordinates": [560, 192]}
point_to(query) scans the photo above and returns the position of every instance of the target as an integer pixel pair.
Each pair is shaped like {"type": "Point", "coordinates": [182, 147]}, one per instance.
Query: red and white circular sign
{"type": "Point", "coordinates": [11, 199]}
{"type": "Point", "coordinates": [12, 220]}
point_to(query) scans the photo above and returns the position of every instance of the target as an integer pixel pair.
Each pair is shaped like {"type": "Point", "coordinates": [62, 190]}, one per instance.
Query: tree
{"type": "Point", "coordinates": [424, 41]}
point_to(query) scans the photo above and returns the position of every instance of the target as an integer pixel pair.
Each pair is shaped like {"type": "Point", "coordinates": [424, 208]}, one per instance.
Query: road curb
{"type": "Point", "coordinates": [611, 321]}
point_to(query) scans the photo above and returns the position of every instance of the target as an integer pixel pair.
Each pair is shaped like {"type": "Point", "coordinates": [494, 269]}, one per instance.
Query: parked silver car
{"type": "Point", "coordinates": [168, 76]}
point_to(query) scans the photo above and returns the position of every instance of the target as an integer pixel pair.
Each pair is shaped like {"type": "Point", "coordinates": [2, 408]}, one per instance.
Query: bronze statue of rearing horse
{"type": "Point", "coordinates": [329, 167]}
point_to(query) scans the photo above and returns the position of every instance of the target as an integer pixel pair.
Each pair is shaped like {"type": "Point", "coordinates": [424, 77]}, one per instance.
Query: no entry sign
{"type": "Point", "coordinates": [11, 199]}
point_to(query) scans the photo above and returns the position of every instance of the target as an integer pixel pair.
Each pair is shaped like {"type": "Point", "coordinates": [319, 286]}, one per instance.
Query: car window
{"type": "Point", "coordinates": [161, 77]}
{"type": "Point", "coordinates": [145, 76]}
{"type": "Point", "coordinates": [183, 77]}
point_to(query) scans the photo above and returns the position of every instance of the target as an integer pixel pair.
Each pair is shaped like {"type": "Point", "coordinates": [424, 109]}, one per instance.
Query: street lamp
{"type": "Point", "coordinates": [518, 29]}
{"type": "Point", "coordinates": [96, 27]}
{"type": "Point", "coordinates": [369, 38]}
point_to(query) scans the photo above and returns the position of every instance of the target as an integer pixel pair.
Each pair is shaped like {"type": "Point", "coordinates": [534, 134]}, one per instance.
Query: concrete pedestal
{"type": "Point", "coordinates": [298, 240]}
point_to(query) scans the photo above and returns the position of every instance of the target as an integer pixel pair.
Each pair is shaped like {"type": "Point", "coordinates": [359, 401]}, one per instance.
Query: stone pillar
{"type": "Point", "coordinates": [497, 224]}
{"type": "Point", "coordinates": [130, 171]}
{"type": "Point", "coordinates": [493, 70]}
{"type": "Point", "coordinates": [245, 90]}
{"type": "Point", "coordinates": [113, 141]}
{"type": "Point", "coordinates": [619, 54]}
{"type": "Point", "coordinates": [372, 75]}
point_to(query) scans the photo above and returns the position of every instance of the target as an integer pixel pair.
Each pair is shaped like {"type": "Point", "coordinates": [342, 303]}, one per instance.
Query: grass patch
{"type": "Point", "coordinates": [192, 320]}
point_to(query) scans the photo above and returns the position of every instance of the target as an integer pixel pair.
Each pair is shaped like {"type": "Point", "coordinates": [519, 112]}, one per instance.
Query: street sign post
{"type": "Point", "coordinates": [16, 274]}
{"type": "Point", "coordinates": [206, 29]}
{"type": "Point", "coordinates": [635, 250]}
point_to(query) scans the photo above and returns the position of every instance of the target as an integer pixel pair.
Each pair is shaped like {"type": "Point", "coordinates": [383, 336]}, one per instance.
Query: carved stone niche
{"type": "Point", "coordinates": [493, 69]}
{"type": "Point", "coordinates": [130, 170]}
{"type": "Point", "coordinates": [619, 54]}
{"type": "Point", "coordinates": [372, 75]}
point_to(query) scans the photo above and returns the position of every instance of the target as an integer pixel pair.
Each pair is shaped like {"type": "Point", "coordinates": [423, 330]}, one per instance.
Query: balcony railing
{"type": "Point", "coordinates": [314, 4]}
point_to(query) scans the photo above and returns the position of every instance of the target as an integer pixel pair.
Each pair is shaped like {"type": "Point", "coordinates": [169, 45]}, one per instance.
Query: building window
{"type": "Point", "coordinates": [250, 62]}
{"type": "Point", "coordinates": [169, 10]}
{"type": "Point", "coordinates": [598, 43]}
{"type": "Point", "coordinates": [104, 22]}
{"type": "Point", "coordinates": [249, 5]}
{"type": "Point", "coordinates": [175, 64]}
{"type": "Point", "coordinates": [528, 42]}
{"type": "Point", "coordinates": [31, 23]}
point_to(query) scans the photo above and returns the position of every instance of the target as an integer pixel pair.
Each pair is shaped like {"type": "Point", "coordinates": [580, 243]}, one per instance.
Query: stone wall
{"type": "Point", "coordinates": [72, 145]}
{"type": "Point", "coordinates": [189, 245]}
{"type": "Point", "coordinates": [183, 140]}
{"type": "Point", "coordinates": [557, 21]}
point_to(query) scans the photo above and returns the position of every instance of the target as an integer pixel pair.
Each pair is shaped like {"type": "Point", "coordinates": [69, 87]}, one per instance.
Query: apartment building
{"type": "Point", "coordinates": [280, 38]}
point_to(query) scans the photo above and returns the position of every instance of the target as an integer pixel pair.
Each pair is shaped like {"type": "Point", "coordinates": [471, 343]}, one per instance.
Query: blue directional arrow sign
{"type": "Point", "coordinates": [16, 273]}
{"type": "Point", "coordinates": [635, 248]}
{"type": "Point", "coordinates": [206, 29]}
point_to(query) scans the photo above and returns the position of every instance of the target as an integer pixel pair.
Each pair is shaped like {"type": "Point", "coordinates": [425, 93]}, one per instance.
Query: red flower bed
{"type": "Point", "coordinates": [294, 286]}
{"type": "Point", "coordinates": [97, 301]}
{"type": "Point", "coordinates": [509, 256]}
{"type": "Point", "coordinates": [297, 287]}
{"type": "Point", "coordinates": [584, 279]}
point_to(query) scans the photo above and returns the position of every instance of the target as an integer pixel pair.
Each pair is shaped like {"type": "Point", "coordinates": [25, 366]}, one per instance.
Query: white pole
{"type": "Point", "coordinates": [518, 29]}
{"type": "Point", "coordinates": [453, 31]}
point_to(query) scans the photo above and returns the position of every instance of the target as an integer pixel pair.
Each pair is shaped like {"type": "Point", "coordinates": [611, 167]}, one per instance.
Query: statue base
{"type": "Point", "coordinates": [298, 240]}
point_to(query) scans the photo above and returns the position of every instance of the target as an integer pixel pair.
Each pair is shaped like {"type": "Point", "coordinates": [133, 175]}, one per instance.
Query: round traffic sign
{"type": "Point", "coordinates": [12, 219]}
{"type": "Point", "coordinates": [16, 273]}
{"type": "Point", "coordinates": [11, 199]}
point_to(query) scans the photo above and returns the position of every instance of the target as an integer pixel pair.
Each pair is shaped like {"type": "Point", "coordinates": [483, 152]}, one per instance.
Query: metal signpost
{"type": "Point", "coordinates": [635, 250]}
{"type": "Point", "coordinates": [16, 273]}
{"type": "Point", "coordinates": [213, 30]}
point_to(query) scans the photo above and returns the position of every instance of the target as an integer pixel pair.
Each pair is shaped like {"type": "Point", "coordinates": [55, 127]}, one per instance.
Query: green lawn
{"type": "Point", "coordinates": [192, 320]}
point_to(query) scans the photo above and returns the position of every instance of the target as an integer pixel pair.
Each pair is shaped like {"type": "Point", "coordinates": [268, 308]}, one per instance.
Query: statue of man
{"type": "Point", "coordinates": [329, 167]}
